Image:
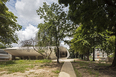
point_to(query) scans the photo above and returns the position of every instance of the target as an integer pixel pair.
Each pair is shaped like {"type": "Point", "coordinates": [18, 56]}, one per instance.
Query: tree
{"type": "Point", "coordinates": [99, 12]}
{"type": "Point", "coordinates": [45, 36]}
{"type": "Point", "coordinates": [56, 24]}
{"type": "Point", "coordinates": [109, 45]}
{"type": "Point", "coordinates": [2, 46]}
{"type": "Point", "coordinates": [80, 43]}
{"type": "Point", "coordinates": [85, 41]}
{"type": "Point", "coordinates": [8, 25]}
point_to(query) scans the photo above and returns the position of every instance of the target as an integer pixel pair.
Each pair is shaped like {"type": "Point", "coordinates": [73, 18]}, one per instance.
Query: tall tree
{"type": "Point", "coordinates": [87, 39]}
{"type": "Point", "coordinates": [100, 12]}
{"type": "Point", "coordinates": [56, 24]}
{"type": "Point", "coordinates": [82, 42]}
{"type": "Point", "coordinates": [8, 25]}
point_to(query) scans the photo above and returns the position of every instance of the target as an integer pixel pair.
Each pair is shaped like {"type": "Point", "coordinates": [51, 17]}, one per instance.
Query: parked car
{"type": "Point", "coordinates": [4, 55]}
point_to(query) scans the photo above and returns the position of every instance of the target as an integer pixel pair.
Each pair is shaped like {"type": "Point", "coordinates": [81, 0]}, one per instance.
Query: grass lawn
{"type": "Point", "coordinates": [92, 69]}
{"type": "Point", "coordinates": [30, 68]}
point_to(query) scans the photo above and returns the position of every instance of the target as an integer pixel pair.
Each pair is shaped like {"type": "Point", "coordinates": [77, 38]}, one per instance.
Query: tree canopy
{"type": "Point", "coordinates": [100, 14]}
{"type": "Point", "coordinates": [56, 24]}
{"type": "Point", "coordinates": [8, 25]}
{"type": "Point", "coordinates": [85, 40]}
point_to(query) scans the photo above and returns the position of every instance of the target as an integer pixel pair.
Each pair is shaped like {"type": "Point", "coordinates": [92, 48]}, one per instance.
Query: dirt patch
{"type": "Point", "coordinates": [43, 70]}
{"type": "Point", "coordinates": [91, 69]}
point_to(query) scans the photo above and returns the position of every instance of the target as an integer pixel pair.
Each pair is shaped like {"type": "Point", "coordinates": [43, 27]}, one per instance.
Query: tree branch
{"type": "Point", "coordinates": [110, 3]}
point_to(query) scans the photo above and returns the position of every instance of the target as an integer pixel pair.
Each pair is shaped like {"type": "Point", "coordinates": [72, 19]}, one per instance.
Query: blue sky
{"type": "Point", "coordinates": [25, 10]}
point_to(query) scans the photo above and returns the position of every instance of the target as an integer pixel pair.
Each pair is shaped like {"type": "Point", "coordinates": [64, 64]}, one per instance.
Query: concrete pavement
{"type": "Point", "coordinates": [67, 69]}
{"type": "Point", "coordinates": [63, 60]}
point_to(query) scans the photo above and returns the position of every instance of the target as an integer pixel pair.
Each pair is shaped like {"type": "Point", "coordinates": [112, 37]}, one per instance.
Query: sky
{"type": "Point", "coordinates": [25, 10]}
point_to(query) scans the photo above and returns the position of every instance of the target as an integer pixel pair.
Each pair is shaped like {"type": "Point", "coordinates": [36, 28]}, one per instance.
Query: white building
{"type": "Point", "coordinates": [100, 54]}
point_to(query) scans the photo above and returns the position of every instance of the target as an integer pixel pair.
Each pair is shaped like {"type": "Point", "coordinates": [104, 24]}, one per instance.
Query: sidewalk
{"type": "Point", "coordinates": [67, 70]}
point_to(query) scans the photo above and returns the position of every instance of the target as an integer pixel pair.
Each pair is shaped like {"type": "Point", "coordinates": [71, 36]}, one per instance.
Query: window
{"type": "Point", "coordinates": [3, 52]}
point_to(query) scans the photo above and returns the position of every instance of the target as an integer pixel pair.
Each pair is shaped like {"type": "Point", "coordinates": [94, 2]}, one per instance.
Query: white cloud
{"type": "Point", "coordinates": [28, 33]}
{"type": "Point", "coordinates": [27, 11]}
{"type": "Point", "coordinates": [64, 45]}
{"type": "Point", "coordinates": [68, 38]}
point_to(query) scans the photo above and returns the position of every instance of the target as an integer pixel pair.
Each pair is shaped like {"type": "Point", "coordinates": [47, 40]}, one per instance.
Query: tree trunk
{"type": "Point", "coordinates": [88, 56]}
{"type": "Point", "coordinates": [58, 55]}
{"type": "Point", "coordinates": [73, 55]}
{"type": "Point", "coordinates": [93, 54]}
{"type": "Point", "coordinates": [50, 53]}
{"type": "Point", "coordinates": [114, 61]}
{"type": "Point", "coordinates": [77, 55]}
{"type": "Point", "coordinates": [82, 57]}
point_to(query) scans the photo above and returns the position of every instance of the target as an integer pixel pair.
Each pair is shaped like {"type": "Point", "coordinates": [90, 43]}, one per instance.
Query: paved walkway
{"type": "Point", "coordinates": [63, 60]}
{"type": "Point", "coordinates": [67, 70]}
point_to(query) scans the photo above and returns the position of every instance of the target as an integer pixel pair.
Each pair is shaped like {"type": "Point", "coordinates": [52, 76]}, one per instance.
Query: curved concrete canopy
{"type": "Point", "coordinates": [29, 51]}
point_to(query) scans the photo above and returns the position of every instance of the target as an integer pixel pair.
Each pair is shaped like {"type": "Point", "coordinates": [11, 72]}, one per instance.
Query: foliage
{"type": "Point", "coordinates": [100, 13]}
{"type": "Point", "coordinates": [45, 36]}
{"type": "Point", "coordinates": [8, 25]}
{"type": "Point", "coordinates": [94, 13]}
{"type": "Point", "coordinates": [56, 25]}
{"type": "Point", "coordinates": [109, 45]}
{"type": "Point", "coordinates": [2, 46]}
{"type": "Point", "coordinates": [111, 55]}
{"type": "Point", "coordinates": [83, 42]}
{"type": "Point", "coordinates": [26, 43]}
{"type": "Point", "coordinates": [56, 71]}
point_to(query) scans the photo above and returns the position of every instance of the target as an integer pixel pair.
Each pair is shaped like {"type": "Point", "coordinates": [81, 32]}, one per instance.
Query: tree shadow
{"type": "Point", "coordinates": [107, 70]}
{"type": "Point", "coordinates": [102, 69]}
{"type": "Point", "coordinates": [52, 65]}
